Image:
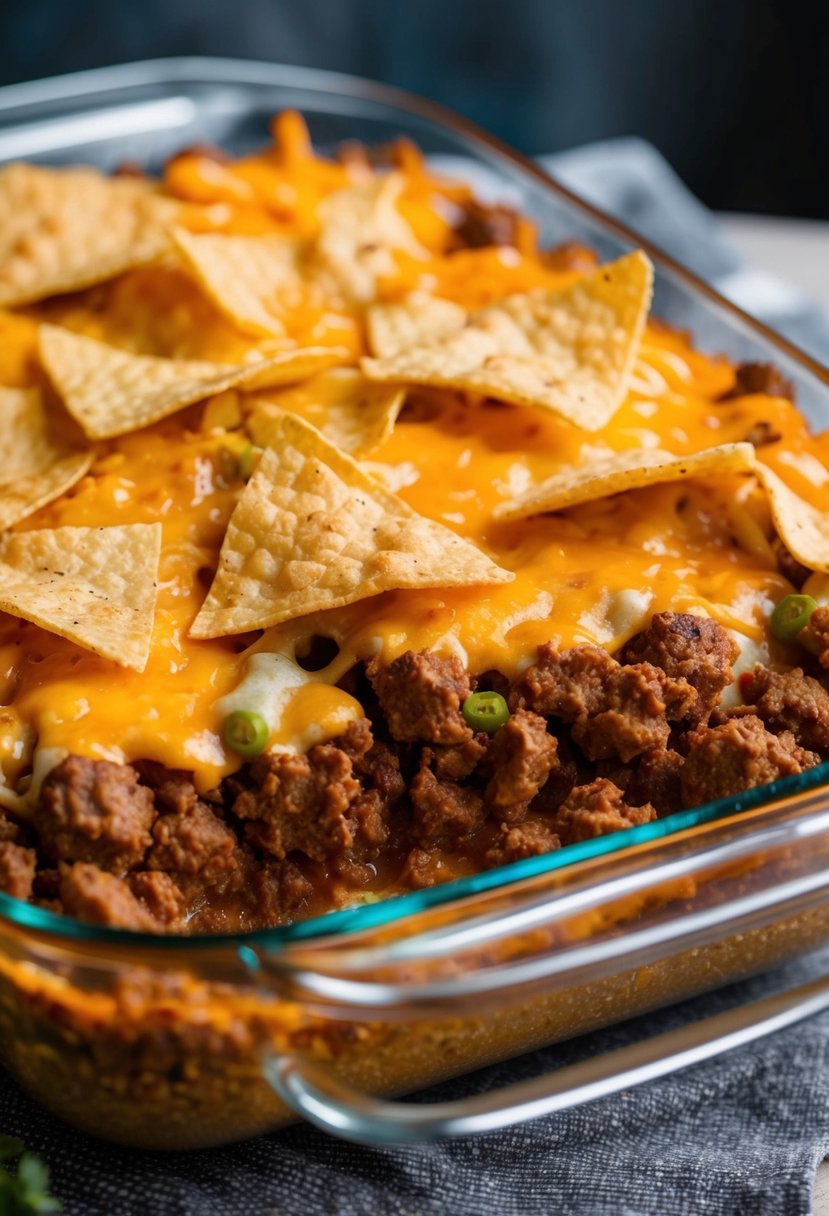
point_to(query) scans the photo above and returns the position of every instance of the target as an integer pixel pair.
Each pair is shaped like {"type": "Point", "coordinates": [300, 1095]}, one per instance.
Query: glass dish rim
{"type": "Point", "coordinates": [346, 921]}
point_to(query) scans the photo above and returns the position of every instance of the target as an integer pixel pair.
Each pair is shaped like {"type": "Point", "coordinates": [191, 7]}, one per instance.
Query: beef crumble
{"type": "Point", "coordinates": [411, 796]}
{"type": "Point", "coordinates": [762, 378]}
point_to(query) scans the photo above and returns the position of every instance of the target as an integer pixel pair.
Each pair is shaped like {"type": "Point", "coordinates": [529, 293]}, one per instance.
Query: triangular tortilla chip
{"type": "Point", "coordinates": [351, 412]}
{"type": "Point", "coordinates": [95, 586]}
{"type": "Point", "coordinates": [244, 275]}
{"type": "Point", "coordinates": [313, 531]}
{"type": "Point", "coordinates": [803, 529]}
{"type": "Point", "coordinates": [38, 465]}
{"type": "Point", "coordinates": [420, 318]}
{"type": "Point", "coordinates": [359, 229]}
{"type": "Point", "coordinates": [625, 471]}
{"type": "Point", "coordinates": [569, 351]}
{"type": "Point", "coordinates": [64, 229]}
{"type": "Point", "coordinates": [111, 391]}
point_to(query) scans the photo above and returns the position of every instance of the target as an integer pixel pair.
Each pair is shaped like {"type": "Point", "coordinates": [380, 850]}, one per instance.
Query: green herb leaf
{"type": "Point", "coordinates": [26, 1191]}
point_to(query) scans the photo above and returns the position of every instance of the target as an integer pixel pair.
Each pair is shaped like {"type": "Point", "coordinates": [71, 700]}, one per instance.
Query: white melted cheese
{"type": "Point", "coordinates": [751, 653]}
{"type": "Point", "coordinates": [272, 686]}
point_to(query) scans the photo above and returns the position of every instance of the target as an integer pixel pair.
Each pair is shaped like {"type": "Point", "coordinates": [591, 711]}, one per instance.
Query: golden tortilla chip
{"type": "Point", "coordinates": [38, 464]}
{"type": "Point", "coordinates": [313, 531]}
{"type": "Point", "coordinates": [244, 276]}
{"type": "Point", "coordinates": [625, 471]}
{"type": "Point", "coordinates": [352, 413]}
{"type": "Point", "coordinates": [360, 227]}
{"type": "Point", "coordinates": [95, 586]}
{"type": "Point", "coordinates": [569, 351]}
{"type": "Point", "coordinates": [64, 229]}
{"type": "Point", "coordinates": [111, 391]}
{"type": "Point", "coordinates": [803, 529]}
{"type": "Point", "coordinates": [420, 318]}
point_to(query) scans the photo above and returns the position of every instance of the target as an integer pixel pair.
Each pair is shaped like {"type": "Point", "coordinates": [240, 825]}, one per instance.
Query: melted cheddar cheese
{"type": "Point", "coordinates": [593, 574]}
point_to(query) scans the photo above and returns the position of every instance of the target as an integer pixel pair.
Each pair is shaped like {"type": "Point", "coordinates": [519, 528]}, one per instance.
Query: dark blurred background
{"type": "Point", "coordinates": [734, 92]}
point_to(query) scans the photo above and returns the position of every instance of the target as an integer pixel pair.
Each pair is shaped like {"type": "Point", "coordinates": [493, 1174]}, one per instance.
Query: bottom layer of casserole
{"type": "Point", "coordinates": [410, 795]}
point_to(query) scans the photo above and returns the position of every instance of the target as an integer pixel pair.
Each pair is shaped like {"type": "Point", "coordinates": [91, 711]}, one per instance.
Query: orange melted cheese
{"type": "Point", "coordinates": [594, 574]}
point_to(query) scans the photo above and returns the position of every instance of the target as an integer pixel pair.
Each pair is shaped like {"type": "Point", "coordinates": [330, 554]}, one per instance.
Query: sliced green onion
{"type": "Point", "coordinates": [245, 733]}
{"type": "Point", "coordinates": [485, 711]}
{"type": "Point", "coordinates": [248, 460]}
{"type": "Point", "coordinates": [792, 614]}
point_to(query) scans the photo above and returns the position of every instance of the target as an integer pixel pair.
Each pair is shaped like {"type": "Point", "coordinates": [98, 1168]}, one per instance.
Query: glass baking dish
{"type": "Point", "coordinates": [173, 1042]}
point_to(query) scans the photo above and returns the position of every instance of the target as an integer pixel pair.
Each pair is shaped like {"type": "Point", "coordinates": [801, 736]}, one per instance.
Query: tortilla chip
{"type": "Point", "coordinates": [570, 351]}
{"type": "Point", "coordinates": [64, 229]}
{"type": "Point", "coordinates": [313, 531]}
{"type": "Point", "coordinates": [803, 529]}
{"type": "Point", "coordinates": [360, 227]}
{"type": "Point", "coordinates": [95, 586]}
{"type": "Point", "coordinates": [625, 471]}
{"type": "Point", "coordinates": [244, 275]}
{"type": "Point", "coordinates": [352, 413]}
{"type": "Point", "coordinates": [38, 465]}
{"type": "Point", "coordinates": [111, 391]}
{"type": "Point", "coordinates": [420, 318]}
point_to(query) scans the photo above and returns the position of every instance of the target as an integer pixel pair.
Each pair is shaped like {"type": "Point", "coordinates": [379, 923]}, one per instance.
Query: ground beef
{"type": "Point", "coordinates": [17, 869]}
{"type": "Point", "coordinates": [738, 755]}
{"type": "Point", "coordinates": [593, 746]}
{"type": "Point", "coordinates": [91, 810]}
{"type": "Point", "coordinates": [195, 841]}
{"type": "Point", "coordinates": [422, 869]}
{"type": "Point", "coordinates": [9, 830]}
{"type": "Point", "coordinates": [617, 711]}
{"type": "Point", "coordinates": [481, 224]}
{"type": "Point", "coordinates": [372, 761]}
{"type": "Point", "coordinates": [790, 701]}
{"type": "Point", "coordinates": [368, 821]}
{"type": "Point", "coordinates": [444, 809]}
{"type": "Point", "coordinates": [522, 755]}
{"type": "Point", "coordinates": [172, 788]}
{"type": "Point", "coordinates": [762, 378]}
{"type": "Point", "coordinates": [816, 634]}
{"type": "Point", "coordinates": [687, 647]}
{"type": "Point", "coordinates": [596, 810]}
{"type": "Point", "coordinates": [459, 760]}
{"type": "Point", "coordinates": [300, 802]}
{"type": "Point", "coordinates": [91, 894]}
{"type": "Point", "coordinates": [421, 696]}
{"type": "Point", "coordinates": [762, 433]}
{"type": "Point", "coordinates": [522, 840]}
{"type": "Point", "coordinates": [656, 778]}
{"type": "Point", "coordinates": [280, 892]}
{"type": "Point", "coordinates": [160, 894]}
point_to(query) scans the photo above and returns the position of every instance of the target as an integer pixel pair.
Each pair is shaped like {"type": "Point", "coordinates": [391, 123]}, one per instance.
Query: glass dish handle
{"type": "Point", "coordinates": [334, 1106]}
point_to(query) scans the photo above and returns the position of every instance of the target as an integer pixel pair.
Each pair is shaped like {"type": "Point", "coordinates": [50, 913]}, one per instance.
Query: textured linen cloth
{"type": "Point", "coordinates": [742, 1134]}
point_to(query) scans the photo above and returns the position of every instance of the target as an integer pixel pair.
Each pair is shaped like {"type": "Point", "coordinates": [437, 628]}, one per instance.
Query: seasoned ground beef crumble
{"type": "Point", "coordinates": [409, 796]}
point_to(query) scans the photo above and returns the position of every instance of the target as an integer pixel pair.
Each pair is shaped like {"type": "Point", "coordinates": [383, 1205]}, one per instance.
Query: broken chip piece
{"type": "Point", "coordinates": [38, 465]}
{"type": "Point", "coordinates": [95, 586]}
{"type": "Point", "coordinates": [570, 351]}
{"type": "Point", "coordinates": [244, 276]}
{"type": "Point", "coordinates": [631, 470]}
{"type": "Point", "coordinates": [313, 531]}
{"type": "Point", "coordinates": [352, 413]}
{"type": "Point", "coordinates": [420, 318]}
{"type": "Point", "coordinates": [63, 229]}
{"type": "Point", "coordinates": [111, 391]}
{"type": "Point", "coordinates": [360, 229]}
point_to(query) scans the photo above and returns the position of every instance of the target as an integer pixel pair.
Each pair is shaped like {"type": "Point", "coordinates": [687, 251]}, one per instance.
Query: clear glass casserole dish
{"type": "Point", "coordinates": [189, 1042]}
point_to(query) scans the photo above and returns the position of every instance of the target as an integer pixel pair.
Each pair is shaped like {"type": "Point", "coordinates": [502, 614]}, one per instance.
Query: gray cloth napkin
{"type": "Point", "coordinates": [738, 1135]}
